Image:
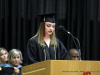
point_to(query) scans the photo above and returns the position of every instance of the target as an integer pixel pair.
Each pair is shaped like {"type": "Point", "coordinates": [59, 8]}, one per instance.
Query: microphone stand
{"type": "Point", "coordinates": [67, 32]}
{"type": "Point", "coordinates": [78, 47]}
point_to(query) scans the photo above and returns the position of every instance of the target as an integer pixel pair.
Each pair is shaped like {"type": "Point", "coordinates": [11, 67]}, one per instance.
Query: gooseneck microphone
{"type": "Point", "coordinates": [62, 28]}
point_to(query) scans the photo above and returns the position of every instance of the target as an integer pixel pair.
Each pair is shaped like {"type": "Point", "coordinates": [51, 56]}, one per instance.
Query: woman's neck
{"type": "Point", "coordinates": [14, 65]}
{"type": "Point", "coordinates": [47, 40]}
{"type": "Point", "coordinates": [47, 37]}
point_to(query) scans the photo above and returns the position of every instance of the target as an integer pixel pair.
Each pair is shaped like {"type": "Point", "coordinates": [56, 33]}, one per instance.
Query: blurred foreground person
{"type": "Point", "coordinates": [14, 60]}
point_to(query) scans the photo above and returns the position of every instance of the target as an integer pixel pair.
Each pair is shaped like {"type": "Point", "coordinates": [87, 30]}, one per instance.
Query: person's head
{"type": "Point", "coordinates": [15, 57]}
{"type": "Point", "coordinates": [47, 28]}
{"type": "Point", "coordinates": [74, 54]}
{"type": "Point", "coordinates": [3, 55]}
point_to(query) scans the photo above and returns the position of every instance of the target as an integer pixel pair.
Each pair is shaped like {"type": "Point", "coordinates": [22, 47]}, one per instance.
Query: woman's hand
{"type": "Point", "coordinates": [16, 71]}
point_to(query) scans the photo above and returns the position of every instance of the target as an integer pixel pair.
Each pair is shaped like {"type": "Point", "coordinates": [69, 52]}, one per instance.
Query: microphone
{"type": "Point", "coordinates": [61, 28]}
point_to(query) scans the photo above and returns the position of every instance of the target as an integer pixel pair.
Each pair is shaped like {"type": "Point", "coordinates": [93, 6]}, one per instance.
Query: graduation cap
{"type": "Point", "coordinates": [47, 18]}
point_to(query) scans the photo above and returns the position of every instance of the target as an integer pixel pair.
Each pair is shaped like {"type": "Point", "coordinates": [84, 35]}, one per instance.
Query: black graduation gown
{"type": "Point", "coordinates": [9, 70]}
{"type": "Point", "coordinates": [1, 67]}
{"type": "Point", "coordinates": [35, 52]}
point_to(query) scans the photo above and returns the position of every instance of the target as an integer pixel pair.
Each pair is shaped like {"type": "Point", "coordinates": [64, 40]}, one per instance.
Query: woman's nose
{"type": "Point", "coordinates": [51, 27]}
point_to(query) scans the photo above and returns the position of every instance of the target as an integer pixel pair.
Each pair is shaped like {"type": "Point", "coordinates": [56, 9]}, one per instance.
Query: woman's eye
{"type": "Point", "coordinates": [1, 54]}
{"type": "Point", "coordinates": [5, 53]}
{"type": "Point", "coordinates": [14, 57]}
{"type": "Point", "coordinates": [48, 26]}
{"type": "Point", "coordinates": [53, 26]}
{"type": "Point", "coordinates": [18, 57]}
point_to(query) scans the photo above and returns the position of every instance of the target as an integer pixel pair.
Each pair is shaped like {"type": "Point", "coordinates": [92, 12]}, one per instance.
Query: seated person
{"type": "Point", "coordinates": [14, 60]}
{"type": "Point", "coordinates": [3, 58]}
{"type": "Point", "coordinates": [74, 54]}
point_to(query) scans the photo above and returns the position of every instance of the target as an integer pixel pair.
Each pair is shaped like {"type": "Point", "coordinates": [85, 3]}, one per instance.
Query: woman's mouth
{"type": "Point", "coordinates": [50, 31]}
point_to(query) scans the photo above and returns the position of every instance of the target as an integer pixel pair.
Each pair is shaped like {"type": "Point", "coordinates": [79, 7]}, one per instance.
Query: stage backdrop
{"type": "Point", "coordinates": [19, 22]}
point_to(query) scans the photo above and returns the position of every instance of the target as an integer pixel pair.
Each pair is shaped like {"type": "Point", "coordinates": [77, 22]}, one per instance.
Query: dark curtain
{"type": "Point", "coordinates": [19, 22]}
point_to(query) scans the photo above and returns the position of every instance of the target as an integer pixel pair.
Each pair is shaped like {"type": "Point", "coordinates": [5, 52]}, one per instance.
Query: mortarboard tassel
{"type": "Point", "coordinates": [44, 27]}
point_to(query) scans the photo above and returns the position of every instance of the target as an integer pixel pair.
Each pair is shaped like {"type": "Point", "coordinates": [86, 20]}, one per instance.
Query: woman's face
{"type": "Point", "coordinates": [49, 28]}
{"type": "Point", "coordinates": [16, 60]}
{"type": "Point", "coordinates": [3, 56]}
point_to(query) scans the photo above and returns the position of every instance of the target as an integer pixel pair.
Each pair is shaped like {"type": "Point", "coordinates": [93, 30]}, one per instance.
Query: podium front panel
{"type": "Point", "coordinates": [62, 67]}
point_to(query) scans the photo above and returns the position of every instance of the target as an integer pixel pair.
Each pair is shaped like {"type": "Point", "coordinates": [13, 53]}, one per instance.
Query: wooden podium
{"type": "Point", "coordinates": [62, 67]}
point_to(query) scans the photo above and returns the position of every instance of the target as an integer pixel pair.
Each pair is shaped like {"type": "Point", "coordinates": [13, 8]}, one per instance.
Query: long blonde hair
{"type": "Point", "coordinates": [1, 50]}
{"type": "Point", "coordinates": [39, 35]}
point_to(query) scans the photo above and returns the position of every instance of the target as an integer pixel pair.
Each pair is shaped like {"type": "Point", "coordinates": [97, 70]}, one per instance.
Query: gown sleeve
{"type": "Point", "coordinates": [63, 52]}
{"type": "Point", "coordinates": [9, 71]}
{"type": "Point", "coordinates": [32, 52]}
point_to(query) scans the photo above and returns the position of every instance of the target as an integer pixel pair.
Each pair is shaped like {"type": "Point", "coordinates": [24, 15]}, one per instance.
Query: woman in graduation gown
{"type": "Point", "coordinates": [3, 58]}
{"type": "Point", "coordinates": [14, 60]}
{"type": "Point", "coordinates": [44, 45]}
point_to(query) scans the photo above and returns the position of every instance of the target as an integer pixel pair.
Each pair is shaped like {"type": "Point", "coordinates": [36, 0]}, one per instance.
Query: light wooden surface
{"type": "Point", "coordinates": [62, 67]}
